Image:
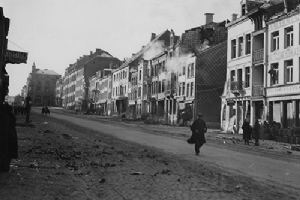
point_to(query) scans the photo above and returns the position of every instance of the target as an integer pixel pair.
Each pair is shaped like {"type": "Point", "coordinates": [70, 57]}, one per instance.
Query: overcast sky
{"type": "Point", "coordinates": [56, 32]}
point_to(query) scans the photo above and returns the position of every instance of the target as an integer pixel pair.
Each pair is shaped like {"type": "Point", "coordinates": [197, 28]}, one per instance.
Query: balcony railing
{"type": "Point", "coordinates": [258, 90]}
{"type": "Point", "coordinates": [236, 87]}
{"type": "Point", "coordinates": [258, 56]}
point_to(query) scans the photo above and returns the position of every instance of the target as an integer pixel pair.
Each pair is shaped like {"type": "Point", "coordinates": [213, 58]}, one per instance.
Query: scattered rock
{"type": "Point", "coordinates": [94, 163]}
{"type": "Point", "coordinates": [106, 165]}
{"type": "Point", "coordinates": [34, 164]}
{"type": "Point", "coordinates": [102, 180]}
{"type": "Point", "coordinates": [239, 186]}
{"type": "Point", "coordinates": [136, 173]}
{"type": "Point", "coordinates": [66, 136]}
{"type": "Point", "coordinates": [48, 131]}
{"type": "Point", "coordinates": [166, 171]}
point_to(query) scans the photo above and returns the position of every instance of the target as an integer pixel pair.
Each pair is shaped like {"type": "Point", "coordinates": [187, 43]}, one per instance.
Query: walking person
{"type": "Point", "coordinates": [198, 130]}
{"type": "Point", "coordinates": [256, 131]}
{"type": "Point", "coordinates": [27, 108]}
{"type": "Point", "coordinates": [247, 130]}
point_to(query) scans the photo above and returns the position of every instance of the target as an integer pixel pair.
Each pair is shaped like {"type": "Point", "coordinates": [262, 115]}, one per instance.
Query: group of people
{"type": "Point", "coordinates": [45, 110]}
{"type": "Point", "coordinates": [249, 132]}
{"type": "Point", "coordinates": [199, 129]}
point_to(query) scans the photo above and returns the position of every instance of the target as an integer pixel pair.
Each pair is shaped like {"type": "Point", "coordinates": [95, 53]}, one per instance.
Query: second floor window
{"type": "Point", "coordinates": [289, 36]}
{"type": "Point", "coordinates": [183, 70]}
{"type": "Point", "coordinates": [274, 74]}
{"type": "Point", "coordinates": [183, 88]}
{"type": "Point", "coordinates": [289, 71]}
{"type": "Point", "coordinates": [241, 46]}
{"type": "Point", "coordinates": [232, 75]}
{"type": "Point", "coordinates": [192, 89]}
{"type": "Point", "coordinates": [233, 48]}
{"type": "Point", "coordinates": [192, 70]}
{"type": "Point", "coordinates": [187, 89]}
{"type": "Point", "coordinates": [248, 44]}
{"type": "Point", "coordinates": [247, 77]}
{"type": "Point", "coordinates": [275, 41]}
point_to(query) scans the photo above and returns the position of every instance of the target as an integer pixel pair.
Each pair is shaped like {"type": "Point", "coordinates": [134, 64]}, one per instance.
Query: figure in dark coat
{"type": "Point", "coordinates": [256, 130]}
{"type": "Point", "coordinates": [27, 108]}
{"type": "Point", "coordinates": [198, 129]}
{"type": "Point", "coordinates": [8, 137]}
{"type": "Point", "coordinates": [247, 130]}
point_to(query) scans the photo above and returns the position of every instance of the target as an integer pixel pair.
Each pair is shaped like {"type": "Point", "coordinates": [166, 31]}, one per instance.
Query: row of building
{"type": "Point", "coordinates": [168, 80]}
{"type": "Point", "coordinates": [245, 68]}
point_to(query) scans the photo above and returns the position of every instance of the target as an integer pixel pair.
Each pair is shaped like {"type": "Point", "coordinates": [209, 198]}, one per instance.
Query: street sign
{"type": "Point", "coordinates": [15, 57]}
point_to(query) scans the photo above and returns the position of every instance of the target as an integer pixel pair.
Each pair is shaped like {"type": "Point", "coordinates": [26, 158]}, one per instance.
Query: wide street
{"type": "Point", "coordinates": [258, 167]}
{"type": "Point", "coordinates": [68, 156]}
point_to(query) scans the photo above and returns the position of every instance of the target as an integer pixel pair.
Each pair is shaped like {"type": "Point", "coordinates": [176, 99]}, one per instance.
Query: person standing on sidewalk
{"type": "Point", "coordinates": [199, 129]}
{"type": "Point", "coordinates": [256, 131]}
{"type": "Point", "coordinates": [247, 130]}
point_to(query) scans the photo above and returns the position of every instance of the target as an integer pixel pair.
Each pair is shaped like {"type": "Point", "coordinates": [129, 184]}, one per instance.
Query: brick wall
{"type": "Point", "coordinates": [211, 65]}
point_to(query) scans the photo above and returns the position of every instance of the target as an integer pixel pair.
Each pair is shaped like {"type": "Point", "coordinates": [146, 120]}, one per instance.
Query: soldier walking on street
{"type": "Point", "coordinates": [199, 129]}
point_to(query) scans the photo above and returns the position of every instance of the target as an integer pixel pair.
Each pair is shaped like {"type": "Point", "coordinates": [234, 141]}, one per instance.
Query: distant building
{"type": "Point", "coordinates": [77, 75]}
{"type": "Point", "coordinates": [59, 92]}
{"type": "Point", "coordinates": [41, 86]}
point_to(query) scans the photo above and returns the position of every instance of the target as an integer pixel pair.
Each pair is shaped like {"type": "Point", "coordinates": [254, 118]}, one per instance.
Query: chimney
{"type": "Point", "coordinates": [33, 67]}
{"type": "Point", "coordinates": [285, 6]}
{"type": "Point", "coordinates": [234, 17]}
{"type": "Point", "coordinates": [153, 35]}
{"type": "Point", "coordinates": [209, 17]}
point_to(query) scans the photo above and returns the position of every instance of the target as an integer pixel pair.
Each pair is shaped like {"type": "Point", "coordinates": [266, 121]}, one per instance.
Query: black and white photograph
{"type": "Point", "coordinates": [150, 100]}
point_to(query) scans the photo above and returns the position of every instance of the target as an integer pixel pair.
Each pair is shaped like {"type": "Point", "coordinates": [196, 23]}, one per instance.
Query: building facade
{"type": "Point", "coordinates": [260, 69]}
{"type": "Point", "coordinates": [41, 86]}
{"type": "Point", "coordinates": [59, 92]}
{"type": "Point", "coordinates": [283, 75]}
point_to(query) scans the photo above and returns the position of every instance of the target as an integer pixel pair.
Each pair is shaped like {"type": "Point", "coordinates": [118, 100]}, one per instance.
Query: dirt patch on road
{"type": "Point", "coordinates": [59, 160]}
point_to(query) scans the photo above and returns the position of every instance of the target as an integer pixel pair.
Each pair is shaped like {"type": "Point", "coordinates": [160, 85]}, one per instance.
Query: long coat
{"type": "Point", "coordinates": [8, 134]}
{"type": "Point", "coordinates": [198, 129]}
{"type": "Point", "coordinates": [247, 131]}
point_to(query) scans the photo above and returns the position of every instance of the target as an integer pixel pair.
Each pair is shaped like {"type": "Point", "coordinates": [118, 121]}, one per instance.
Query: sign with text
{"type": "Point", "coordinates": [15, 57]}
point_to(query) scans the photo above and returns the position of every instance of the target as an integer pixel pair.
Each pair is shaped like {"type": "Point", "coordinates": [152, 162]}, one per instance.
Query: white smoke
{"type": "Point", "coordinates": [155, 49]}
{"type": "Point", "coordinates": [176, 63]}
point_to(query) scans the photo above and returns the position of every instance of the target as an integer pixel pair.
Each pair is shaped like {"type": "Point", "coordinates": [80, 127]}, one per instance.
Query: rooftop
{"type": "Point", "coordinates": [46, 72]}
